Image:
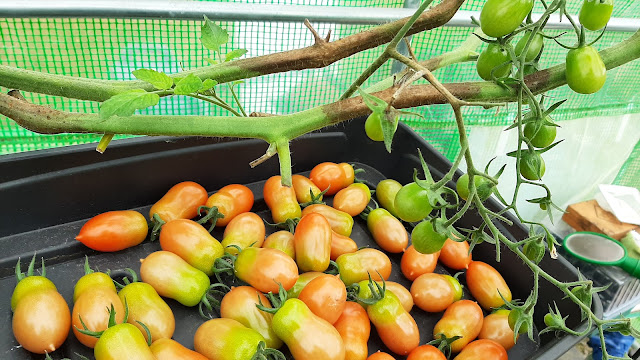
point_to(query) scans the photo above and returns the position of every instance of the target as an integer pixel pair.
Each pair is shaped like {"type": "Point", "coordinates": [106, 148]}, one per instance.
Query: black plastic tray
{"type": "Point", "coordinates": [46, 196]}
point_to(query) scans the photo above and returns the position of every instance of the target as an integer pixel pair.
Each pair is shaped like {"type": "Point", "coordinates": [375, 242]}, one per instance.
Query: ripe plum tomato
{"type": "Point", "coordinates": [265, 268]}
{"type": "Point", "coordinates": [484, 187]}
{"type": "Point", "coordinates": [486, 284]}
{"type": "Point", "coordinates": [493, 62]}
{"type": "Point", "coordinates": [482, 349]}
{"type": "Point", "coordinates": [354, 328]}
{"type": "Point", "coordinates": [192, 242]}
{"type": "Point", "coordinates": [353, 199]}
{"type": "Point", "coordinates": [341, 244]}
{"type": "Point", "coordinates": [340, 221]}
{"type": "Point", "coordinates": [330, 176]}
{"type": "Point", "coordinates": [501, 17]}
{"type": "Point", "coordinates": [231, 200]}
{"type": "Point", "coordinates": [412, 203]}
{"type": "Point", "coordinates": [496, 327]}
{"type": "Point", "coordinates": [312, 240]}
{"type": "Point", "coordinates": [168, 349]}
{"type": "Point", "coordinates": [586, 72]}
{"type": "Point", "coordinates": [326, 296]}
{"type": "Point", "coordinates": [462, 318]}
{"type": "Point", "coordinates": [435, 292]}
{"type": "Point", "coordinates": [281, 200]}
{"type": "Point", "coordinates": [425, 239]}
{"type": "Point", "coordinates": [246, 229]}
{"type": "Point", "coordinates": [355, 267]}
{"type": "Point", "coordinates": [90, 307]}
{"type": "Point", "coordinates": [281, 240]}
{"type": "Point", "coordinates": [41, 321]}
{"type": "Point", "coordinates": [532, 165]}
{"type": "Point", "coordinates": [114, 231]}
{"type": "Point", "coordinates": [595, 14]}
{"type": "Point", "coordinates": [349, 173]}
{"type": "Point", "coordinates": [426, 352]}
{"type": "Point", "coordinates": [147, 307]}
{"type": "Point", "coordinates": [386, 192]}
{"type": "Point", "coordinates": [387, 231]}
{"type": "Point", "coordinates": [380, 356]}
{"type": "Point", "coordinates": [414, 264]}
{"type": "Point", "coordinates": [455, 254]}
{"type": "Point", "coordinates": [180, 202]}
{"type": "Point", "coordinates": [303, 186]}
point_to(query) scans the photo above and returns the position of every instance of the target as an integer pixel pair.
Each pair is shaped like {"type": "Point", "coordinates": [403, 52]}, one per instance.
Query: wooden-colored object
{"type": "Point", "coordinates": [589, 216]}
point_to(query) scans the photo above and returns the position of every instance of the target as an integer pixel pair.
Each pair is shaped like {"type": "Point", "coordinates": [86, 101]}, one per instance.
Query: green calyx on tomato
{"type": "Point", "coordinates": [484, 187]}
{"type": "Point", "coordinates": [366, 292]}
{"type": "Point", "coordinates": [493, 63]}
{"type": "Point", "coordinates": [29, 282]}
{"type": "Point", "coordinates": [595, 14]}
{"type": "Point", "coordinates": [535, 47]}
{"type": "Point", "coordinates": [112, 323]}
{"type": "Point", "coordinates": [501, 17]}
{"type": "Point", "coordinates": [211, 215]}
{"type": "Point", "coordinates": [586, 72]}
{"type": "Point", "coordinates": [92, 279]}
{"type": "Point", "coordinates": [519, 321]}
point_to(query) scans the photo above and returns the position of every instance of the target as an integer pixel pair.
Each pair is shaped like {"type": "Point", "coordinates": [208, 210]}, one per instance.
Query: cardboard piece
{"type": "Point", "coordinates": [589, 216]}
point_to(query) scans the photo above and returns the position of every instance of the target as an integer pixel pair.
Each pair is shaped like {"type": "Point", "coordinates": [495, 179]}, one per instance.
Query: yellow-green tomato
{"type": "Point", "coordinates": [357, 266]}
{"type": "Point", "coordinates": [386, 191]}
{"type": "Point", "coordinates": [226, 339]}
{"type": "Point", "coordinates": [147, 307]}
{"type": "Point", "coordinates": [92, 281]}
{"type": "Point", "coordinates": [122, 341]}
{"type": "Point", "coordinates": [302, 281]}
{"type": "Point", "coordinates": [373, 127]}
{"type": "Point", "coordinates": [29, 284]}
{"type": "Point", "coordinates": [192, 242]}
{"type": "Point", "coordinates": [174, 278]}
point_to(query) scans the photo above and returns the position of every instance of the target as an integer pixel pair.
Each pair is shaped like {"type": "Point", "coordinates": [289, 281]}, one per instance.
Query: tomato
{"type": "Point", "coordinates": [114, 231]}
{"type": "Point", "coordinates": [240, 304]}
{"type": "Point", "coordinates": [340, 221]}
{"type": "Point", "coordinates": [354, 328]}
{"type": "Point", "coordinates": [387, 231]}
{"type": "Point", "coordinates": [373, 127]}
{"type": "Point", "coordinates": [147, 307]}
{"type": "Point", "coordinates": [326, 296]}
{"type": "Point", "coordinates": [455, 254]}
{"type": "Point", "coordinates": [302, 281]}
{"type": "Point", "coordinates": [493, 62]}
{"type": "Point", "coordinates": [341, 244]}
{"type": "Point", "coordinates": [122, 341]}
{"type": "Point", "coordinates": [281, 200]}
{"type": "Point", "coordinates": [434, 292]}
{"type": "Point", "coordinates": [192, 242]}
{"type": "Point", "coordinates": [395, 326]}
{"type": "Point", "coordinates": [414, 264]}
{"type": "Point", "coordinates": [41, 321]}
{"type": "Point", "coordinates": [586, 72]}
{"type": "Point", "coordinates": [92, 280]}
{"type": "Point", "coordinates": [355, 267]}
{"type": "Point", "coordinates": [534, 251]}
{"type": "Point", "coordinates": [425, 239]}
{"type": "Point", "coordinates": [330, 177]}
{"type": "Point", "coordinates": [501, 17]}
{"type": "Point", "coordinates": [231, 200]}
{"type": "Point", "coordinates": [426, 352]}
{"type": "Point", "coordinates": [401, 293]}
{"type": "Point", "coordinates": [90, 307]}
{"type": "Point", "coordinates": [412, 203]}
{"type": "Point", "coordinates": [29, 283]}
{"type": "Point", "coordinates": [543, 137]}
{"type": "Point", "coordinates": [531, 165]}
{"type": "Point", "coordinates": [246, 229]}
{"type": "Point", "coordinates": [353, 199]}
{"type": "Point", "coordinates": [312, 241]}
{"type": "Point", "coordinates": [304, 187]}
{"type": "Point", "coordinates": [307, 335]}
{"type": "Point", "coordinates": [281, 240]}
{"type": "Point", "coordinates": [233, 341]}
{"type": "Point", "coordinates": [482, 349]}
{"type": "Point", "coordinates": [168, 349]}
{"type": "Point", "coordinates": [462, 318]}
{"type": "Point", "coordinates": [386, 192]}
{"type": "Point", "coordinates": [484, 187]}
{"type": "Point", "coordinates": [174, 278]}
{"type": "Point", "coordinates": [534, 48]}
{"type": "Point", "coordinates": [595, 14]}
{"type": "Point", "coordinates": [379, 355]}
{"type": "Point", "coordinates": [180, 202]}
{"type": "Point", "coordinates": [496, 327]}
{"type": "Point", "coordinates": [349, 173]}
{"type": "Point", "coordinates": [486, 284]}
{"type": "Point", "coordinates": [264, 269]}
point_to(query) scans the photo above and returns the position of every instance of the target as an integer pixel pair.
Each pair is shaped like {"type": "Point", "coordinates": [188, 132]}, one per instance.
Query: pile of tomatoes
{"type": "Point", "coordinates": [308, 286]}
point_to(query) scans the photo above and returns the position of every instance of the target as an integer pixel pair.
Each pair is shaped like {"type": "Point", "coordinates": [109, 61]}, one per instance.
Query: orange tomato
{"type": "Point", "coordinates": [265, 269]}
{"type": "Point", "coordinates": [231, 200]}
{"type": "Point", "coordinates": [330, 176]}
{"type": "Point", "coordinates": [312, 240]}
{"type": "Point", "coordinates": [41, 321]}
{"type": "Point", "coordinates": [246, 229]}
{"type": "Point", "coordinates": [462, 318]}
{"type": "Point", "coordinates": [433, 292]}
{"type": "Point", "coordinates": [340, 221]}
{"type": "Point", "coordinates": [180, 202]}
{"type": "Point", "coordinates": [302, 281]}
{"type": "Point", "coordinates": [281, 240]}
{"type": "Point", "coordinates": [482, 349]}
{"type": "Point", "coordinates": [341, 244]}
{"type": "Point", "coordinates": [414, 263]}
{"type": "Point", "coordinates": [349, 173]}
{"type": "Point", "coordinates": [91, 307]}
{"type": "Point", "coordinates": [427, 352]}
{"type": "Point", "coordinates": [114, 231]}
{"type": "Point", "coordinates": [380, 356]}
{"type": "Point", "coordinates": [355, 328]}
{"type": "Point", "coordinates": [496, 327]}
{"type": "Point", "coordinates": [486, 285]}
{"type": "Point", "coordinates": [455, 254]}
{"type": "Point", "coordinates": [353, 199]}
{"type": "Point", "coordinates": [281, 200]}
{"type": "Point", "coordinates": [303, 187]}
{"type": "Point", "coordinates": [326, 296]}
{"type": "Point", "coordinates": [192, 242]}
{"type": "Point", "coordinates": [387, 231]}
{"type": "Point", "coordinates": [401, 292]}
{"type": "Point", "coordinates": [168, 349]}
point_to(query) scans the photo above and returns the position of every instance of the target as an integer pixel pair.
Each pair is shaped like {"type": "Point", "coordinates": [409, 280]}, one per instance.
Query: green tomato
{"type": "Point", "coordinates": [373, 127]}
{"type": "Point", "coordinates": [586, 72]}
{"type": "Point", "coordinates": [534, 48]}
{"type": "Point", "coordinates": [543, 138]}
{"type": "Point", "coordinates": [412, 203]}
{"type": "Point", "coordinates": [534, 251]}
{"type": "Point", "coordinates": [483, 187]}
{"type": "Point", "coordinates": [532, 166]}
{"type": "Point", "coordinates": [513, 316]}
{"type": "Point", "coordinates": [425, 239]}
{"type": "Point", "coordinates": [493, 59]}
{"type": "Point", "coordinates": [595, 14]}
{"type": "Point", "coordinates": [501, 17]}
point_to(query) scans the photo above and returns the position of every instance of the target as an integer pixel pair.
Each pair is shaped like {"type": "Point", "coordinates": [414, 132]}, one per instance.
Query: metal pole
{"type": "Point", "coordinates": [397, 66]}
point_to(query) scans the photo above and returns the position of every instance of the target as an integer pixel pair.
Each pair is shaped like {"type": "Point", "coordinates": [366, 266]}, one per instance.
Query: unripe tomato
{"type": "Point", "coordinates": [435, 292]}
{"type": "Point", "coordinates": [30, 284]}
{"type": "Point", "coordinates": [302, 281]}
{"type": "Point", "coordinates": [426, 352]}
{"type": "Point", "coordinates": [340, 221]}
{"type": "Point", "coordinates": [312, 241]}
{"type": "Point", "coordinates": [122, 341]}
{"type": "Point", "coordinates": [501, 17]}
{"type": "Point", "coordinates": [326, 296]}
{"type": "Point", "coordinates": [353, 199]}
{"type": "Point", "coordinates": [174, 278]}
{"type": "Point", "coordinates": [281, 240]}
{"type": "Point", "coordinates": [484, 188]}
{"type": "Point", "coordinates": [147, 307]}
{"type": "Point", "coordinates": [379, 355]}
{"type": "Point", "coordinates": [532, 165]}
{"type": "Point", "coordinates": [226, 339]}
{"type": "Point", "coordinates": [496, 327]}
{"type": "Point", "coordinates": [90, 281]}
{"type": "Point", "coordinates": [341, 244]}
{"type": "Point", "coordinates": [231, 200]}
{"type": "Point", "coordinates": [586, 72]}
{"type": "Point", "coordinates": [387, 231]}
{"type": "Point", "coordinates": [455, 254]}
{"type": "Point", "coordinates": [246, 229]}
{"type": "Point", "coordinates": [41, 320]}
{"type": "Point", "coordinates": [240, 304]}
{"type": "Point", "coordinates": [534, 48]}
{"type": "Point", "coordinates": [180, 202]}
{"type": "Point", "coordinates": [355, 267]}
{"type": "Point", "coordinates": [401, 293]}
{"type": "Point", "coordinates": [425, 239]}
{"type": "Point", "coordinates": [386, 192]}
{"type": "Point", "coordinates": [595, 14]}
{"type": "Point", "coordinates": [114, 231]}
{"type": "Point", "coordinates": [330, 176]}
{"type": "Point", "coordinates": [462, 318]}
{"type": "Point", "coordinates": [168, 349]}
{"type": "Point", "coordinates": [482, 349]}
{"type": "Point", "coordinates": [544, 137]}
{"type": "Point", "coordinates": [264, 269]}
{"type": "Point", "coordinates": [486, 284]}
{"type": "Point", "coordinates": [355, 328]}
{"type": "Point", "coordinates": [493, 62]}
{"type": "Point", "coordinates": [281, 200]}
{"type": "Point", "coordinates": [412, 203]}
{"type": "Point", "coordinates": [90, 307]}
{"type": "Point", "coordinates": [303, 186]}
{"type": "Point", "coordinates": [414, 264]}
{"type": "Point", "coordinates": [373, 127]}
{"type": "Point", "coordinates": [192, 242]}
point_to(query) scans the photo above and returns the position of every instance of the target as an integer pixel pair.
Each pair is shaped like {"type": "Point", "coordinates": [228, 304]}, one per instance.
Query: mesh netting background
{"type": "Point", "coordinates": [112, 48]}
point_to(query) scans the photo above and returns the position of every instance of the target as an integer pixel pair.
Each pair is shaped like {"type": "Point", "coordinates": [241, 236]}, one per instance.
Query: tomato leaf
{"type": "Point", "coordinates": [188, 85]}
{"type": "Point", "coordinates": [159, 80]}
{"type": "Point", "coordinates": [207, 84]}
{"type": "Point", "coordinates": [374, 103]}
{"type": "Point", "coordinates": [212, 36]}
{"type": "Point", "coordinates": [127, 103]}
{"type": "Point", "coordinates": [212, 61]}
{"type": "Point", "coordinates": [234, 54]}
{"type": "Point", "coordinates": [389, 124]}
